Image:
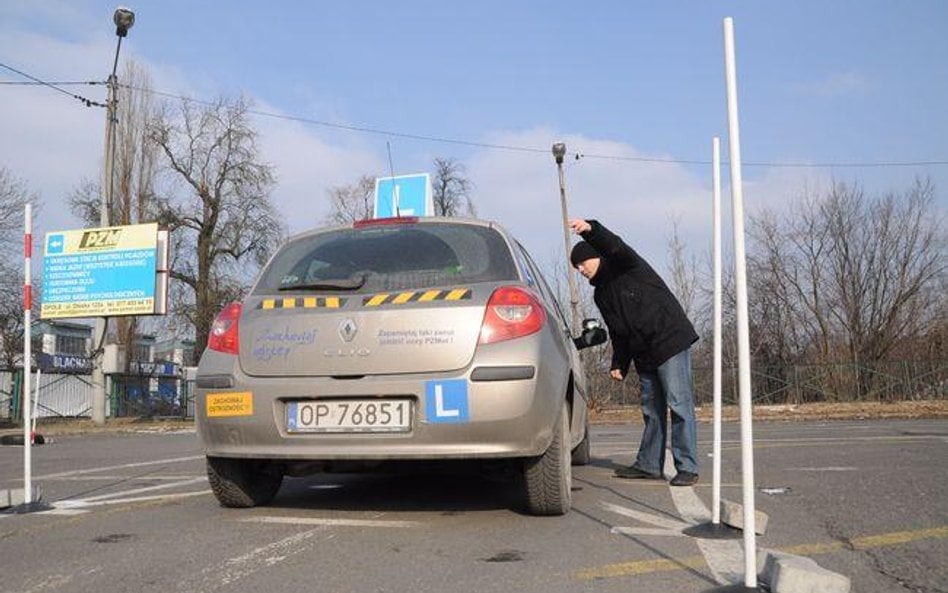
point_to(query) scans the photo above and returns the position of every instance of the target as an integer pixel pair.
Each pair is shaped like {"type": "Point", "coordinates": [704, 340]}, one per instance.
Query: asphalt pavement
{"type": "Point", "coordinates": [132, 512]}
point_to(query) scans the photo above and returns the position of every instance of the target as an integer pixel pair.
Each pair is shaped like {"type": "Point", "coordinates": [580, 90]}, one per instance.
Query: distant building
{"type": "Point", "coordinates": [66, 347]}
{"type": "Point", "coordinates": [180, 352]}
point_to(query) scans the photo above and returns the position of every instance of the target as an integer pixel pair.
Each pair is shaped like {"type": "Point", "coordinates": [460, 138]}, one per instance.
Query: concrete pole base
{"type": "Point", "coordinates": [714, 531]}
{"type": "Point", "coordinates": [12, 501]}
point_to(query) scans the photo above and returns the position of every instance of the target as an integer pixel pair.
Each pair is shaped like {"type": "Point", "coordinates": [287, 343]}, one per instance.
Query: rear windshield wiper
{"type": "Point", "coordinates": [332, 284]}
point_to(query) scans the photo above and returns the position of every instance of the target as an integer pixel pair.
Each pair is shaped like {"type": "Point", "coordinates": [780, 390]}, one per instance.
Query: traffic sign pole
{"type": "Point", "coordinates": [27, 353]}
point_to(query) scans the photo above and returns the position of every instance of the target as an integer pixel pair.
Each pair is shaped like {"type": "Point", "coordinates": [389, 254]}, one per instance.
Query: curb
{"type": "Point", "coordinates": [732, 513]}
{"type": "Point", "coordinates": [787, 573]}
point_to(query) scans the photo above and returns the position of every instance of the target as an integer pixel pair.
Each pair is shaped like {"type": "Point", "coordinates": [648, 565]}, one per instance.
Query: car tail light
{"type": "Point", "coordinates": [512, 312]}
{"type": "Point", "coordinates": [223, 336]}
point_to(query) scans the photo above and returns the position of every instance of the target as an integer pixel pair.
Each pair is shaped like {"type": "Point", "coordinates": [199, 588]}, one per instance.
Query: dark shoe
{"type": "Point", "coordinates": [684, 479]}
{"type": "Point", "coordinates": [636, 473]}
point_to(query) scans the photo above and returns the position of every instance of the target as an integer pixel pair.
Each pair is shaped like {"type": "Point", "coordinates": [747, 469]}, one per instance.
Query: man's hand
{"type": "Point", "coordinates": [616, 374]}
{"type": "Point", "coordinates": [579, 226]}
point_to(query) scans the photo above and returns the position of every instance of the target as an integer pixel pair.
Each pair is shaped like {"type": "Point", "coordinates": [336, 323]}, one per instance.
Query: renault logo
{"type": "Point", "coordinates": [348, 330]}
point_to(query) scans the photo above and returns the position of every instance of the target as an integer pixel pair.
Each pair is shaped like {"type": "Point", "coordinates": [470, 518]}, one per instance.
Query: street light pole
{"type": "Point", "coordinates": [123, 19]}
{"type": "Point", "coordinates": [559, 152]}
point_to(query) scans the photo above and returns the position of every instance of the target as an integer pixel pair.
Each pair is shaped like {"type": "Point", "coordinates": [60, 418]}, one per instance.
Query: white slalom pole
{"type": "Point", "coordinates": [743, 325]}
{"type": "Point", "coordinates": [716, 401]}
{"type": "Point", "coordinates": [27, 354]}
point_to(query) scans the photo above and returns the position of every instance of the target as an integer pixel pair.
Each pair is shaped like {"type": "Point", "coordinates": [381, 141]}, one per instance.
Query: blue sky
{"type": "Point", "coordinates": [820, 82]}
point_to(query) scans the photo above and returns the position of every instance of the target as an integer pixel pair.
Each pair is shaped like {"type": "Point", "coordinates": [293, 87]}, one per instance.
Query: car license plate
{"type": "Point", "coordinates": [349, 415]}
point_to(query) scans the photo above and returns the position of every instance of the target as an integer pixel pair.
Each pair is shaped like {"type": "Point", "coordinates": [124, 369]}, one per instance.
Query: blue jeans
{"type": "Point", "coordinates": [669, 388]}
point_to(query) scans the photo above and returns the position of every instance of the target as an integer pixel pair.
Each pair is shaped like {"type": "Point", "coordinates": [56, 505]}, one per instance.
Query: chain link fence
{"type": "Point", "coordinates": [800, 384]}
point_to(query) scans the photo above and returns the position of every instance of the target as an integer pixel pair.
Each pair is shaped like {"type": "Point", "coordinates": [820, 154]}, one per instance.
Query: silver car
{"type": "Point", "coordinates": [394, 340]}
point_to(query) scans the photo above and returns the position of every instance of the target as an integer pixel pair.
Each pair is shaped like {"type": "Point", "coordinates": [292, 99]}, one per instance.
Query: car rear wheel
{"type": "Point", "coordinates": [581, 454]}
{"type": "Point", "coordinates": [549, 477]}
{"type": "Point", "coordinates": [242, 483]}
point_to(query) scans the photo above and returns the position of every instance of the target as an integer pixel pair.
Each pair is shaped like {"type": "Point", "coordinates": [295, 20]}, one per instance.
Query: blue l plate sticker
{"type": "Point", "coordinates": [446, 401]}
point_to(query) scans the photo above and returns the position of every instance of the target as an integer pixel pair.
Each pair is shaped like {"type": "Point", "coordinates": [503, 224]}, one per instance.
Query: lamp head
{"type": "Point", "coordinates": [123, 19]}
{"type": "Point", "coordinates": [559, 151]}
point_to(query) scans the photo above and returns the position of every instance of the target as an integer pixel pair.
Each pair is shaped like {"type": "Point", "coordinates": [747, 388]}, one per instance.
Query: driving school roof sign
{"type": "Point", "coordinates": [103, 272]}
{"type": "Point", "coordinates": [404, 195]}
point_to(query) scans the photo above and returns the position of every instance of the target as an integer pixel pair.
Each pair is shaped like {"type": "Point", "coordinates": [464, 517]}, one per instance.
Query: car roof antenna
{"type": "Point", "coordinates": [391, 168]}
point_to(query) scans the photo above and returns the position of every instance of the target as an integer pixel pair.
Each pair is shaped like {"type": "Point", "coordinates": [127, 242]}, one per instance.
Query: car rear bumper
{"type": "Point", "coordinates": [510, 414]}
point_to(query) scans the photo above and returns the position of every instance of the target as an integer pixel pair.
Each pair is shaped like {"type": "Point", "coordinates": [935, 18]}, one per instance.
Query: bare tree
{"type": "Point", "coordinates": [885, 252]}
{"type": "Point", "coordinates": [14, 195]}
{"type": "Point", "coordinates": [684, 272]}
{"type": "Point", "coordinates": [846, 276]}
{"type": "Point", "coordinates": [223, 223]}
{"type": "Point", "coordinates": [451, 189]}
{"type": "Point", "coordinates": [789, 310]}
{"type": "Point", "coordinates": [349, 203]}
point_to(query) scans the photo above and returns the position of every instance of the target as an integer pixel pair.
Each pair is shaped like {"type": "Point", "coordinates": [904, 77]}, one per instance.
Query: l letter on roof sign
{"type": "Point", "coordinates": [404, 195]}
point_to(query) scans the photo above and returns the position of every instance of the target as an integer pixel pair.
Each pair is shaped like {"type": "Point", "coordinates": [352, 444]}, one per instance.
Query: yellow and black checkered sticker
{"type": "Point", "coordinates": [418, 296]}
{"type": "Point", "coordinates": [304, 303]}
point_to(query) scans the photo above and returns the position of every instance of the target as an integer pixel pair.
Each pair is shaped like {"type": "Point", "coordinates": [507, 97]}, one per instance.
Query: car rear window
{"type": "Point", "coordinates": [392, 258]}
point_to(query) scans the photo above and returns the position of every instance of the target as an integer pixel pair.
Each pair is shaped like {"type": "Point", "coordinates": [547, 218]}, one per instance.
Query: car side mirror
{"type": "Point", "coordinates": [593, 334]}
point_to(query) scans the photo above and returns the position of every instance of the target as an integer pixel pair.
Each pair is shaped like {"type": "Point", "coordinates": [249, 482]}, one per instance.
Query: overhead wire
{"type": "Point", "coordinates": [54, 82]}
{"type": "Point", "coordinates": [533, 149]}
{"type": "Point", "coordinates": [86, 101]}
{"type": "Point", "coordinates": [577, 155]}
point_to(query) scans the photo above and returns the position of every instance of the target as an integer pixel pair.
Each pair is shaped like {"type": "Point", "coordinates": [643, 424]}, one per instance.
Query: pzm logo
{"type": "Point", "coordinates": [100, 239]}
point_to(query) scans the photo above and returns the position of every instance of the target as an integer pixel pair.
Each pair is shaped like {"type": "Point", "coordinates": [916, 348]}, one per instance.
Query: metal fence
{"type": "Point", "coordinates": [134, 396]}
{"type": "Point", "coordinates": [63, 395]}
{"type": "Point", "coordinates": [798, 384]}
{"type": "Point", "coordinates": [58, 395]}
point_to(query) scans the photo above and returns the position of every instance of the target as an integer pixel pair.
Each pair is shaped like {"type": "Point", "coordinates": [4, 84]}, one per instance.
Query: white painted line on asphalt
{"type": "Point", "coordinates": [141, 490]}
{"type": "Point", "coordinates": [114, 478]}
{"type": "Point", "coordinates": [328, 522]}
{"type": "Point", "coordinates": [79, 507]}
{"type": "Point", "coordinates": [214, 578]}
{"type": "Point", "coordinates": [94, 470]}
{"type": "Point", "coordinates": [646, 531]}
{"type": "Point", "coordinates": [662, 522]}
{"type": "Point", "coordinates": [55, 581]}
{"type": "Point", "coordinates": [173, 496]}
{"type": "Point", "coordinates": [65, 512]}
{"type": "Point", "coordinates": [725, 558]}
{"type": "Point", "coordinates": [824, 469]}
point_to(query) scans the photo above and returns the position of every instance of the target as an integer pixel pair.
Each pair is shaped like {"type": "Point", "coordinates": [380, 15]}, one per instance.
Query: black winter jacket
{"type": "Point", "coordinates": [646, 322]}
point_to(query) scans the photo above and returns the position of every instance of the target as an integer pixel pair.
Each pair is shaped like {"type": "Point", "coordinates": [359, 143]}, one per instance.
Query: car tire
{"type": "Point", "coordinates": [582, 454]}
{"type": "Point", "coordinates": [549, 477]}
{"type": "Point", "coordinates": [242, 483]}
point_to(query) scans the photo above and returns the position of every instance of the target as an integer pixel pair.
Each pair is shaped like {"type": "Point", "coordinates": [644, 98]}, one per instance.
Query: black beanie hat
{"type": "Point", "coordinates": [581, 252]}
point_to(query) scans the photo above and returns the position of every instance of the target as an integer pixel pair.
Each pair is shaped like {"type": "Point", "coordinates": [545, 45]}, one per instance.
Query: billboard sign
{"type": "Point", "coordinates": [404, 195]}
{"type": "Point", "coordinates": [101, 272]}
